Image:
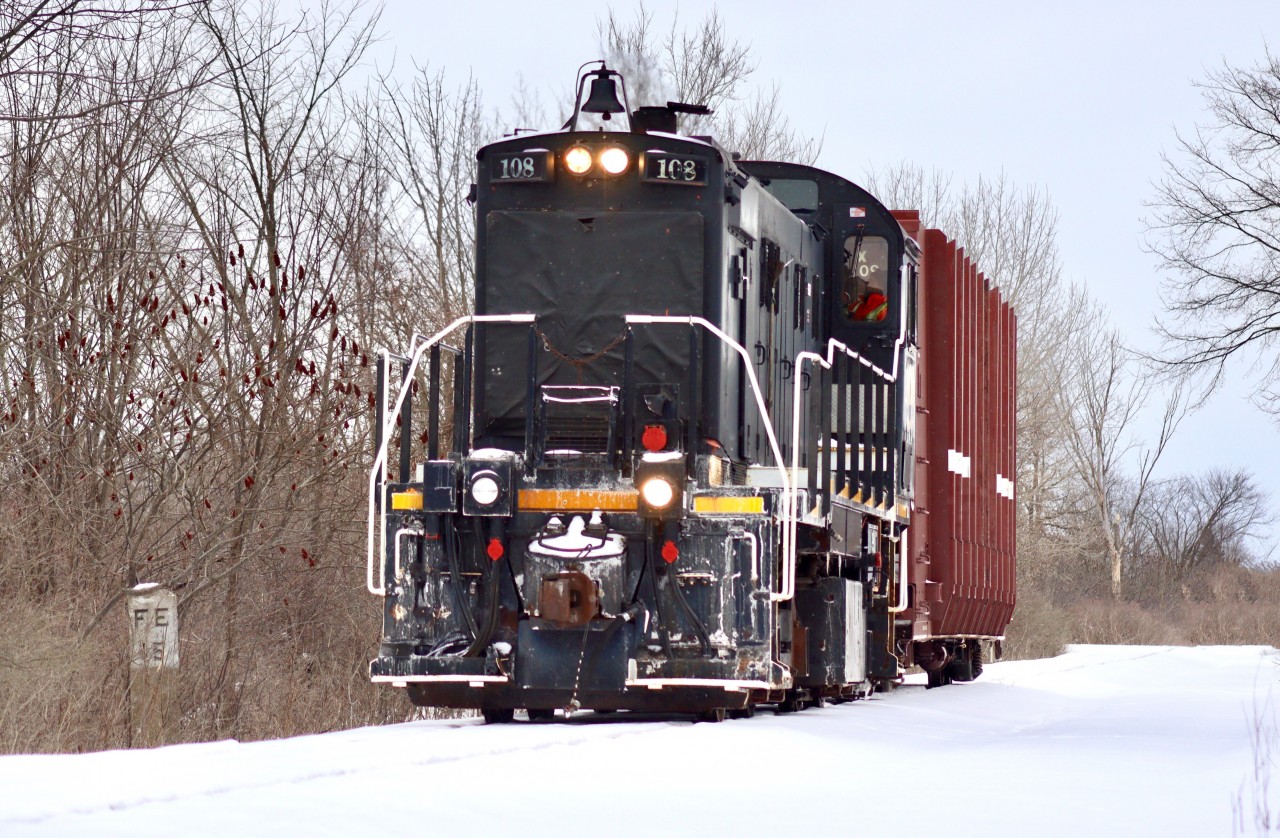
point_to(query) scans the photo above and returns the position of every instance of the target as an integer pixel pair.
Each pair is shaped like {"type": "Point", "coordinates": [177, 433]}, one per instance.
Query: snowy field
{"type": "Point", "coordinates": [1120, 740]}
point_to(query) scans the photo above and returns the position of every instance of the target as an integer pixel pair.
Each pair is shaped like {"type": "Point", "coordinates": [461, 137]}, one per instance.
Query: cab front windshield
{"type": "Point", "coordinates": [865, 288]}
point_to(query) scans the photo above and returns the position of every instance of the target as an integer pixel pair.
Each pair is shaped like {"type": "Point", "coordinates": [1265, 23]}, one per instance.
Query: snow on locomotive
{"type": "Point", "coordinates": [719, 434]}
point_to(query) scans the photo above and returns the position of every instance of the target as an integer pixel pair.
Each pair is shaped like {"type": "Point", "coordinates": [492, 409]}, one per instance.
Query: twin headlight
{"type": "Point", "coordinates": [614, 160]}
{"type": "Point", "coordinates": [488, 487]}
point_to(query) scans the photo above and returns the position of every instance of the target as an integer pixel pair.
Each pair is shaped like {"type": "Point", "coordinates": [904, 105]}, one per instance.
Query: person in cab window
{"type": "Point", "coordinates": [866, 278]}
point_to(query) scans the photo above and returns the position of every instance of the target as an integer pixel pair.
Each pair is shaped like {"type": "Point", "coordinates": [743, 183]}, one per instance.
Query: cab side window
{"type": "Point", "coordinates": [864, 293]}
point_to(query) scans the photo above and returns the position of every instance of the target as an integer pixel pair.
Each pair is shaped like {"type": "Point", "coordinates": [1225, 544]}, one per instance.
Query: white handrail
{"type": "Point", "coordinates": [400, 534]}
{"type": "Point", "coordinates": [378, 534]}
{"type": "Point", "coordinates": [832, 346]}
{"type": "Point", "coordinates": [788, 581]}
{"type": "Point", "coordinates": [902, 575]}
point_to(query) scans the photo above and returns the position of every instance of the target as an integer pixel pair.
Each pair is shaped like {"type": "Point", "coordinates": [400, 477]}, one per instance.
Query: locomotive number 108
{"type": "Point", "coordinates": [669, 169]}
{"type": "Point", "coordinates": [526, 167]}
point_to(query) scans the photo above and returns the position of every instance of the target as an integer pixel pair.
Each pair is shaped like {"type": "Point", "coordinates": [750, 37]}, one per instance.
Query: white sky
{"type": "Point", "coordinates": [1078, 98]}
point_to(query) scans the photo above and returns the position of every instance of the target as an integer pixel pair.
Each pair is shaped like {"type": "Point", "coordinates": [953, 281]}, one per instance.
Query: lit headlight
{"type": "Point", "coordinates": [485, 488]}
{"type": "Point", "coordinates": [657, 492]}
{"type": "Point", "coordinates": [577, 160]}
{"type": "Point", "coordinates": [614, 160]}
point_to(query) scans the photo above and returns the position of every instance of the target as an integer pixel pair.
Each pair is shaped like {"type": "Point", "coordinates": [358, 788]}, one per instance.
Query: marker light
{"type": "Point", "coordinates": [614, 160]}
{"type": "Point", "coordinates": [654, 438]}
{"type": "Point", "coordinates": [577, 160]}
{"type": "Point", "coordinates": [657, 492]}
{"type": "Point", "coordinates": [485, 489]}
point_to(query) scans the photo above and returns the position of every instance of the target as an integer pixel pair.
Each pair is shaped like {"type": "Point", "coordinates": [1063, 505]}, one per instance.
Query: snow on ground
{"type": "Point", "coordinates": [1103, 740]}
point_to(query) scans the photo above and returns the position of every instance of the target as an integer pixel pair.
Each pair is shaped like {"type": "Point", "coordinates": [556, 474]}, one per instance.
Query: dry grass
{"type": "Point", "coordinates": [293, 658]}
{"type": "Point", "coordinates": [1229, 606]}
{"type": "Point", "coordinates": [293, 666]}
{"type": "Point", "coordinates": [58, 694]}
{"type": "Point", "coordinates": [1252, 808]}
{"type": "Point", "coordinates": [1040, 629]}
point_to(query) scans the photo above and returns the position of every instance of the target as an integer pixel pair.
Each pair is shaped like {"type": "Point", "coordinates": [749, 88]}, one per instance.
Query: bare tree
{"type": "Point", "coordinates": [1196, 523]}
{"type": "Point", "coordinates": [905, 185]}
{"type": "Point", "coordinates": [80, 205]}
{"type": "Point", "coordinates": [702, 64]}
{"type": "Point", "coordinates": [759, 130]}
{"type": "Point", "coordinates": [56, 39]}
{"type": "Point", "coordinates": [432, 133]}
{"type": "Point", "coordinates": [1217, 230]}
{"type": "Point", "coordinates": [528, 112]}
{"type": "Point", "coordinates": [264, 363]}
{"type": "Point", "coordinates": [1103, 399]}
{"type": "Point", "coordinates": [633, 49]}
{"type": "Point", "coordinates": [194, 278]}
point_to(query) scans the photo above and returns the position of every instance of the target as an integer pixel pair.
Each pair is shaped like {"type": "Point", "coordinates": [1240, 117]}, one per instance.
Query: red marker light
{"type": "Point", "coordinates": [654, 438]}
{"type": "Point", "coordinates": [495, 549]}
{"type": "Point", "coordinates": [670, 552]}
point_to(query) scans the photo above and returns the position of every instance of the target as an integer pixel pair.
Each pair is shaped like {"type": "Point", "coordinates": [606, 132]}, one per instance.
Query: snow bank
{"type": "Point", "coordinates": [1117, 740]}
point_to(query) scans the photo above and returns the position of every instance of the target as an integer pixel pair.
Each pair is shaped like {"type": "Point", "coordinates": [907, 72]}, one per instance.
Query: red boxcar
{"type": "Point", "coordinates": [962, 539]}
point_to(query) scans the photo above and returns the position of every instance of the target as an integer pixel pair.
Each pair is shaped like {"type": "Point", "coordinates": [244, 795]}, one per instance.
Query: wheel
{"type": "Point", "coordinates": [498, 716]}
{"type": "Point", "coordinates": [977, 660]}
{"type": "Point", "coordinates": [939, 678]}
{"type": "Point", "coordinates": [541, 714]}
{"type": "Point", "coordinates": [790, 704]}
{"type": "Point", "coordinates": [716, 715]}
{"type": "Point", "coordinates": [743, 712]}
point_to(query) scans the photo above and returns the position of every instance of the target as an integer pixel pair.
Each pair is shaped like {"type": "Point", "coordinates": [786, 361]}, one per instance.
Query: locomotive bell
{"type": "Point", "coordinates": [603, 98]}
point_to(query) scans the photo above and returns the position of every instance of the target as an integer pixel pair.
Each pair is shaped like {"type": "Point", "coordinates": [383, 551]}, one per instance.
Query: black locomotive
{"type": "Point", "coordinates": [670, 460]}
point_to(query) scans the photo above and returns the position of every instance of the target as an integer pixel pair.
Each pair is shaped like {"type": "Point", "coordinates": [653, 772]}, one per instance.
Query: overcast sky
{"type": "Point", "coordinates": [1077, 98]}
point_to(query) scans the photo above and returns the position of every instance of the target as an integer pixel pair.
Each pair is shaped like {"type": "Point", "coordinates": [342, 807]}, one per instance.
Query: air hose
{"type": "Point", "coordinates": [451, 551]}
{"type": "Point", "coordinates": [493, 573]}
{"type": "Point", "coordinates": [703, 639]}
{"type": "Point", "coordinates": [649, 574]}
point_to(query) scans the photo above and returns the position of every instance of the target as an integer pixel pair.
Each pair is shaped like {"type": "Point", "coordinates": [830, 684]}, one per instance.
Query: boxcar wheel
{"type": "Point", "coordinates": [716, 715]}
{"type": "Point", "coordinates": [498, 716]}
{"type": "Point", "coordinates": [939, 678]}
